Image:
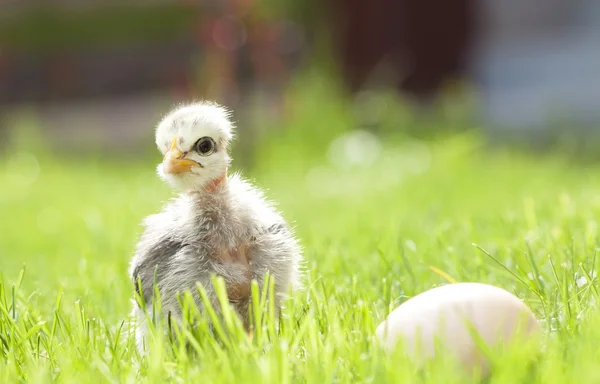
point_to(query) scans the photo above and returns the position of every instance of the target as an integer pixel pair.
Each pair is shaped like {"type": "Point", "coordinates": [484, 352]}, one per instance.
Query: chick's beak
{"type": "Point", "coordinates": [175, 161]}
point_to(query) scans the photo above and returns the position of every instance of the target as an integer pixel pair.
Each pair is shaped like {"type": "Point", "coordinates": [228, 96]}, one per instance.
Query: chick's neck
{"type": "Point", "coordinates": [215, 184]}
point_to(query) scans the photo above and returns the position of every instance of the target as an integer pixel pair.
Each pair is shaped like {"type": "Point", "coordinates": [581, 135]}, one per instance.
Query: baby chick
{"type": "Point", "coordinates": [218, 225]}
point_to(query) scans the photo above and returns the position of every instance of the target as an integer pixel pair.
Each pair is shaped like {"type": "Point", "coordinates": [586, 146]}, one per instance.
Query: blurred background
{"type": "Point", "coordinates": [353, 115]}
{"type": "Point", "coordinates": [101, 73]}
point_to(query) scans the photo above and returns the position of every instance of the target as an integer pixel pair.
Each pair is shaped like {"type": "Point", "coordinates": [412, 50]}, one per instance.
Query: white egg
{"type": "Point", "coordinates": [449, 314]}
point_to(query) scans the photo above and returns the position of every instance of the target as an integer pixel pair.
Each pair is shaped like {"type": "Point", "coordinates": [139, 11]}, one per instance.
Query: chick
{"type": "Point", "coordinates": [219, 224]}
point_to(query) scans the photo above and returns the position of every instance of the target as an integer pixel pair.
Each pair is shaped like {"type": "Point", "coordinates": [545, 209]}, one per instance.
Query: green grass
{"type": "Point", "coordinates": [370, 232]}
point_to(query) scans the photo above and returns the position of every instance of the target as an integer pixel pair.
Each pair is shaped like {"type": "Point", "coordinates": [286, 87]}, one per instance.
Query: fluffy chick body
{"type": "Point", "coordinates": [229, 230]}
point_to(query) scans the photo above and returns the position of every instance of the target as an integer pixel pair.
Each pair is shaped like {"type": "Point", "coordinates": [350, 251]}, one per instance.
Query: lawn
{"type": "Point", "coordinates": [374, 214]}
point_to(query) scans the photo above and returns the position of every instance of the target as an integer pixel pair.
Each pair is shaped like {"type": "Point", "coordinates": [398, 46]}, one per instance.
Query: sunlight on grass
{"type": "Point", "coordinates": [379, 223]}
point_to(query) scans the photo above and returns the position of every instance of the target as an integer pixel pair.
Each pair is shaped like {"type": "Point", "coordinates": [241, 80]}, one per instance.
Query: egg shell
{"type": "Point", "coordinates": [449, 314]}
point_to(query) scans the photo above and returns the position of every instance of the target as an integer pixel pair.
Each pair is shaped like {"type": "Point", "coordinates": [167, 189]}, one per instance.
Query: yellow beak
{"type": "Point", "coordinates": [175, 162]}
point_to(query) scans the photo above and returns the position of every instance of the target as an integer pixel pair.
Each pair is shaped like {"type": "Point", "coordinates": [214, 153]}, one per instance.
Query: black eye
{"type": "Point", "coordinates": [205, 146]}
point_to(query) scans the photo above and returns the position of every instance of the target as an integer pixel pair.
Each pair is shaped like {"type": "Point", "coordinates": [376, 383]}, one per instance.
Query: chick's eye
{"type": "Point", "coordinates": [205, 146]}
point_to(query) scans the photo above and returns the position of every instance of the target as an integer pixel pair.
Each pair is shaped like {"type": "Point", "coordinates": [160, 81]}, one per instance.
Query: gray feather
{"type": "Point", "coordinates": [183, 246]}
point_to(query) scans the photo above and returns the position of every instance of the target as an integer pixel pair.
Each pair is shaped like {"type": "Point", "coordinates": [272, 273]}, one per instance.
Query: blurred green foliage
{"type": "Point", "coordinates": [47, 28]}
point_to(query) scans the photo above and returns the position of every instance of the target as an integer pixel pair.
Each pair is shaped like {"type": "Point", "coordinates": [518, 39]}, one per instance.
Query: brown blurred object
{"type": "Point", "coordinates": [425, 41]}
{"type": "Point", "coordinates": [240, 50]}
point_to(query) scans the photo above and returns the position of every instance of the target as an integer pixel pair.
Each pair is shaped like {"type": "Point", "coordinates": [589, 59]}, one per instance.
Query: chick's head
{"type": "Point", "coordinates": [194, 141]}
